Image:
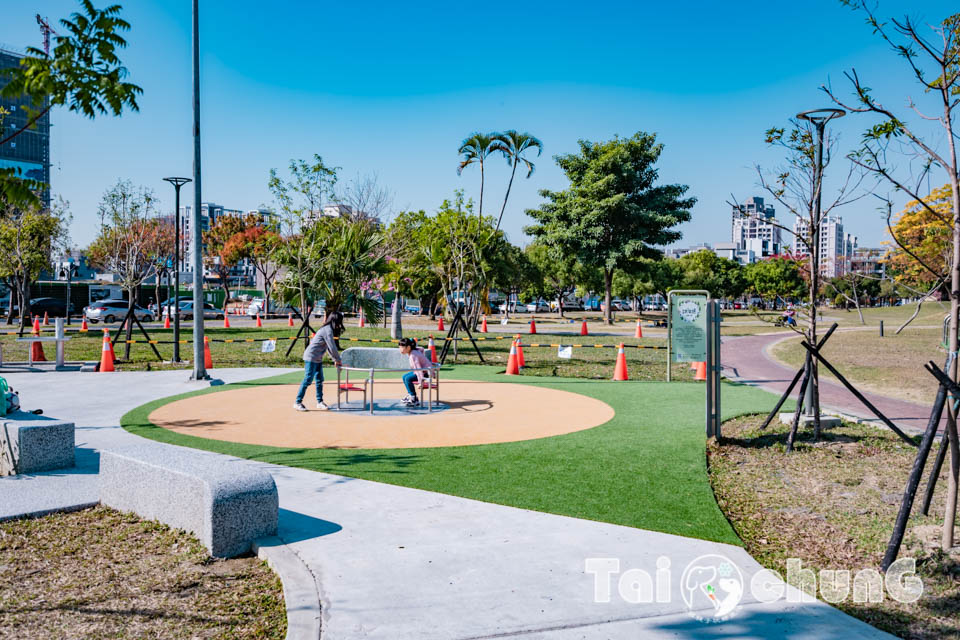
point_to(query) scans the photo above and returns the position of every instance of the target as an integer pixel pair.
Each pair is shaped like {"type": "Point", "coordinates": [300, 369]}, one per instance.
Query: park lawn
{"type": "Point", "coordinates": [892, 365]}
{"type": "Point", "coordinates": [645, 468]}
{"type": "Point", "coordinates": [587, 361]}
{"type": "Point", "coordinates": [833, 504]}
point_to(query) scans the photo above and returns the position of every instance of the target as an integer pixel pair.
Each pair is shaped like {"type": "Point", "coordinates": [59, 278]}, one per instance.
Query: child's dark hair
{"type": "Point", "coordinates": [408, 342]}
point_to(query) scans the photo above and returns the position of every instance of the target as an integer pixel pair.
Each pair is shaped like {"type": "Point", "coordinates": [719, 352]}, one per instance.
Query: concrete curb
{"type": "Point", "coordinates": [299, 587]}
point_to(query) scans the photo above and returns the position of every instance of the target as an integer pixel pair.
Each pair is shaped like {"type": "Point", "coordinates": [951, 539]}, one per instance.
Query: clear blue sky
{"type": "Point", "coordinates": [392, 88]}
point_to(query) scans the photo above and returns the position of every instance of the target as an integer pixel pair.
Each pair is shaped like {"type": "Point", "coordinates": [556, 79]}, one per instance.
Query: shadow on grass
{"type": "Point", "coordinates": [333, 458]}
{"type": "Point", "coordinates": [804, 439]}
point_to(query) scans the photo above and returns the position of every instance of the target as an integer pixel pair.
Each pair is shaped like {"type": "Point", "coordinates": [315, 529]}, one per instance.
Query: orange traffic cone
{"type": "Point", "coordinates": [620, 369]}
{"type": "Point", "coordinates": [83, 325]}
{"type": "Point", "coordinates": [583, 329]}
{"type": "Point", "coordinates": [166, 320]}
{"type": "Point", "coordinates": [36, 352]}
{"type": "Point", "coordinates": [362, 322]}
{"type": "Point", "coordinates": [701, 374]}
{"type": "Point", "coordinates": [46, 319]}
{"type": "Point", "coordinates": [513, 368]}
{"type": "Point", "coordinates": [440, 324]}
{"type": "Point", "coordinates": [289, 319]}
{"type": "Point", "coordinates": [207, 358]}
{"type": "Point", "coordinates": [533, 325]}
{"type": "Point", "coordinates": [226, 321]}
{"type": "Point", "coordinates": [259, 324]}
{"type": "Point", "coordinates": [693, 366]}
{"type": "Point", "coordinates": [36, 325]}
{"type": "Point", "coordinates": [106, 354]}
{"type": "Point", "coordinates": [433, 351]}
{"type": "Point", "coordinates": [639, 333]}
{"type": "Point", "coordinates": [483, 325]}
{"type": "Point", "coordinates": [520, 361]}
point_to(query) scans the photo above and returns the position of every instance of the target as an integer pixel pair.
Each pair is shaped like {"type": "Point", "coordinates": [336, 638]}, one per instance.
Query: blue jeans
{"type": "Point", "coordinates": [312, 370]}
{"type": "Point", "coordinates": [410, 380]}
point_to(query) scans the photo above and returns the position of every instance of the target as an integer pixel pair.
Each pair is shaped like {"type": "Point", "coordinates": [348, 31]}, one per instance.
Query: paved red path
{"type": "Point", "coordinates": [746, 360]}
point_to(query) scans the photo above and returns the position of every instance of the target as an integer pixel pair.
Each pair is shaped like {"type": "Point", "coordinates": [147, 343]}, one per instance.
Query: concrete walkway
{"type": "Point", "coordinates": [399, 563]}
{"type": "Point", "coordinates": [746, 359]}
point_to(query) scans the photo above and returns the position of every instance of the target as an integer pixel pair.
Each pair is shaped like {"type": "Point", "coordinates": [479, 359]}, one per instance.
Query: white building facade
{"type": "Point", "coordinates": [835, 245]}
{"type": "Point", "coordinates": [754, 231]}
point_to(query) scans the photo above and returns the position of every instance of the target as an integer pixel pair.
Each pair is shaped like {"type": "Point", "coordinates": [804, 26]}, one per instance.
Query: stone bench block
{"type": "Point", "coordinates": [226, 502]}
{"type": "Point", "coordinates": [31, 446]}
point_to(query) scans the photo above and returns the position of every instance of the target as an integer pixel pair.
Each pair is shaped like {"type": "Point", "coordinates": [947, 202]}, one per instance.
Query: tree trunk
{"type": "Point", "coordinates": [396, 320]}
{"type": "Point", "coordinates": [24, 304]}
{"type": "Point", "coordinates": [131, 302]}
{"type": "Point", "coordinates": [953, 475]}
{"type": "Point", "coordinates": [607, 296]}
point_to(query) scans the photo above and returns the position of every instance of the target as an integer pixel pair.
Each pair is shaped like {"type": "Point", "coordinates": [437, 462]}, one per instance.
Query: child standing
{"type": "Point", "coordinates": [323, 342]}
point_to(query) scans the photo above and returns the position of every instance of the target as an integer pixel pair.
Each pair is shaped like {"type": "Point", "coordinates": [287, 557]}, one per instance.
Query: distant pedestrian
{"type": "Point", "coordinates": [323, 342]}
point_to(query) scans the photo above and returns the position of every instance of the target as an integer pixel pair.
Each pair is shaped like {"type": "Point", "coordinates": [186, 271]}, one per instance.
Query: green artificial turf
{"type": "Point", "coordinates": [645, 468]}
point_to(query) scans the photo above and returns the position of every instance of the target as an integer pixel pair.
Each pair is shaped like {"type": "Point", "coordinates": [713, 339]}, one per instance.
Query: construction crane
{"type": "Point", "coordinates": [46, 29]}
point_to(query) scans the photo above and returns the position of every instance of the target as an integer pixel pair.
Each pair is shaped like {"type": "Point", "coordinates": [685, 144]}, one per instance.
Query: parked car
{"type": "Point", "coordinates": [538, 307]}
{"type": "Point", "coordinates": [155, 308]}
{"type": "Point", "coordinates": [412, 307]}
{"type": "Point", "coordinates": [112, 310]}
{"type": "Point", "coordinates": [513, 306]}
{"type": "Point", "coordinates": [51, 306]}
{"type": "Point", "coordinates": [210, 312]}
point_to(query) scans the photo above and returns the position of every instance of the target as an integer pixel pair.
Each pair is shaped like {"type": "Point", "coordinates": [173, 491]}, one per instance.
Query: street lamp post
{"type": "Point", "coordinates": [69, 270]}
{"type": "Point", "coordinates": [819, 119]}
{"type": "Point", "coordinates": [177, 183]}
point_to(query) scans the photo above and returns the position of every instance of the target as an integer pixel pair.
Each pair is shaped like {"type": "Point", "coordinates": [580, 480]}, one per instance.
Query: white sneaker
{"type": "Point", "coordinates": [322, 406]}
{"type": "Point", "coordinates": [299, 406]}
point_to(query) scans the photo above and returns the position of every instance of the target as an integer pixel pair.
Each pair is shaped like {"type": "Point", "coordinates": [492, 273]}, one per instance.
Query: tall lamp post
{"type": "Point", "coordinates": [68, 271]}
{"type": "Point", "coordinates": [177, 183]}
{"type": "Point", "coordinates": [819, 119]}
{"type": "Point", "coordinates": [196, 240]}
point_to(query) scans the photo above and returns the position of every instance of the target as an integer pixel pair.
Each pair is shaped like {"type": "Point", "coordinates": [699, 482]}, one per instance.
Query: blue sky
{"type": "Point", "coordinates": [392, 88]}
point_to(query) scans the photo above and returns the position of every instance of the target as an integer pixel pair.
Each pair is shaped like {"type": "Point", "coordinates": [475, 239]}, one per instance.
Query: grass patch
{"type": "Point", "coordinates": [644, 468]}
{"type": "Point", "coordinates": [892, 365]}
{"type": "Point", "coordinates": [833, 505]}
{"type": "Point", "coordinates": [99, 573]}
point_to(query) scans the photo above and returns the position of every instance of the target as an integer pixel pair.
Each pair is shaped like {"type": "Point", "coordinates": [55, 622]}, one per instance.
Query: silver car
{"type": "Point", "coordinates": [112, 310]}
{"type": "Point", "coordinates": [209, 311]}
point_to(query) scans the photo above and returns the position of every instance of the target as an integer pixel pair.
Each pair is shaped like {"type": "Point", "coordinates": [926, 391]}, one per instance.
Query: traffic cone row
{"type": "Point", "coordinates": [226, 321]}
{"type": "Point", "coordinates": [259, 324]}
{"type": "Point", "coordinates": [36, 325]}
{"type": "Point", "coordinates": [36, 348]}
{"type": "Point", "coordinates": [83, 325]}
{"type": "Point", "coordinates": [433, 351]}
{"type": "Point", "coordinates": [521, 363]}
{"type": "Point", "coordinates": [639, 333]}
{"type": "Point", "coordinates": [166, 321]}
{"type": "Point", "coordinates": [620, 369]}
{"type": "Point", "coordinates": [583, 329]}
{"type": "Point", "coordinates": [483, 325]}
{"type": "Point", "coordinates": [106, 354]}
{"type": "Point", "coordinates": [46, 319]}
{"type": "Point", "coordinates": [289, 319]}
{"type": "Point", "coordinates": [440, 324]}
{"type": "Point", "coordinates": [361, 323]}
{"type": "Point", "coordinates": [533, 325]}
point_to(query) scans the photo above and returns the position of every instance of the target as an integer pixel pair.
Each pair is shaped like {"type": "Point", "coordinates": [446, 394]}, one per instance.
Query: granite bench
{"type": "Point", "coordinates": [31, 446]}
{"type": "Point", "coordinates": [226, 502]}
{"type": "Point", "coordinates": [370, 360]}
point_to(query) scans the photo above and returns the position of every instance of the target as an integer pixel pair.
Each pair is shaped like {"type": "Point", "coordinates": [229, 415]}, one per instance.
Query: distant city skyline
{"type": "Point", "coordinates": [392, 90]}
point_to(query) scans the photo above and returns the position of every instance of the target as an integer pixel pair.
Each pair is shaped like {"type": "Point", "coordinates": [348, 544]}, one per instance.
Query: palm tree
{"type": "Point", "coordinates": [475, 149]}
{"type": "Point", "coordinates": [512, 145]}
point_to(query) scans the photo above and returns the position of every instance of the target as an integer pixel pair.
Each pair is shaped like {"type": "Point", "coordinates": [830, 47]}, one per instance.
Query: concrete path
{"type": "Point", "coordinates": [399, 563]}
{"type": "Point", "coordinates": [746, 359]}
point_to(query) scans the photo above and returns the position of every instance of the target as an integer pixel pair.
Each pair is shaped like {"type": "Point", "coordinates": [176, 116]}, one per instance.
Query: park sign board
{"type": "Point", "coordinates": [688, 326]}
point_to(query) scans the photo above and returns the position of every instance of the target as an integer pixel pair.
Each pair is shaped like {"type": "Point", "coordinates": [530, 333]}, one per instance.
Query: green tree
{"type": "Point", "coordinates": [474, 150]}
{"type": "Point", "coordinates": [224, 246]}
{"type": "Point", "coordinates": [776, 279]}
{"type": "Point", "coordinates": [83, 73]}
{"type": "Point", "coordinates": [559, 275]}
{"type": "Point", "coordinates": [722, 277]}
{"type": "Point", "coordinates": [614, 212]}
{"type": "Point", "coordinates": [513, 146]}
{"type": "Point", "coordinates": [406, 240]}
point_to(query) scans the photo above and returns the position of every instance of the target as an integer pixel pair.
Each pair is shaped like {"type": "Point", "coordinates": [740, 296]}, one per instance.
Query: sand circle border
{"type": "Point", "coordinates": [478, 412]}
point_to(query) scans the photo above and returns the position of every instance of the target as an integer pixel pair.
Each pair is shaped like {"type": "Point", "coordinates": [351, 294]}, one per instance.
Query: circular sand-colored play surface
{"type": "Point", "coordinates": [470, 413]}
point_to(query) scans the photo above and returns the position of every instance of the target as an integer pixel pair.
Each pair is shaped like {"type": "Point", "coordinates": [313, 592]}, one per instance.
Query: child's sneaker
{"type": "Point", "coordinates": [409, 401]}
{"type": "Point", "coordinates": [322, 406]}
{"type": "Point", "coordinates": [299, 406]}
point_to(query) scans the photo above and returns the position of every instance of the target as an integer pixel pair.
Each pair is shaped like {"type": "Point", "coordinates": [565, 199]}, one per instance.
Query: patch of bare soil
{"type": "Point", "coordinates": [99, 573]}
{"type": "Point", "coordinates": [833, 504]}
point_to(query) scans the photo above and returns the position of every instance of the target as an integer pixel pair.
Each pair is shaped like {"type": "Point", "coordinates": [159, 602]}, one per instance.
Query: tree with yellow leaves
{"type": "Point", "coordinates": [922, 241]}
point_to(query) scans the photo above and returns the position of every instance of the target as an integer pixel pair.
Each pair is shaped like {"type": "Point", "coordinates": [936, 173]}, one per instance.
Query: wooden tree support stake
{"type": "Point", "coordinates": [796, 379]}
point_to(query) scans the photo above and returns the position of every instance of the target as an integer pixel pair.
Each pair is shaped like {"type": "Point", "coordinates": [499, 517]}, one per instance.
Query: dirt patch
{"type": "Point", "coordinates": [832, 504]}
{"type": "Point", "coordinates": [478, 413]}
{"type": "Point", "coordinates": [100, 573]}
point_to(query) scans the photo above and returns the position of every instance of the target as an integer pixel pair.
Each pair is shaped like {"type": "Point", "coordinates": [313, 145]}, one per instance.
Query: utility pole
{"type": "Point", "coordinates": [196, 237]}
